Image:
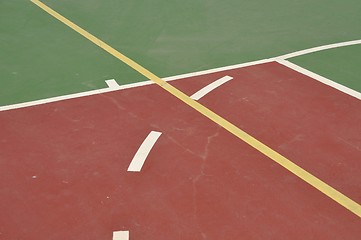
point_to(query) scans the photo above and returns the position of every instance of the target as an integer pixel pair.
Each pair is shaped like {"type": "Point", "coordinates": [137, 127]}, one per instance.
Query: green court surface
{"type": "Point", "coordinates": [40, 57]}
{"type": "Point", "coordinates": [341, 65]}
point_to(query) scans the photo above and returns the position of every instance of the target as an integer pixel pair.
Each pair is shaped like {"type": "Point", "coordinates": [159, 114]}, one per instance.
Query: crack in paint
{"type": "Point", "coordinates": [350, 144]}
{"type": "Point", "coordinates": [197, 178]}
{"type": "Point", "coordinates": [120, 107]}
{"type": "Point", "coordinates": [183, 147]}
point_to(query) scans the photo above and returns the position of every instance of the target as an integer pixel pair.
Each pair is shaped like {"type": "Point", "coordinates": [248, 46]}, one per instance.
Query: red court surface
{"type": "Point", "coordinates": [63, 172]}
{"type": "Point", "coordinates": [316, 126]}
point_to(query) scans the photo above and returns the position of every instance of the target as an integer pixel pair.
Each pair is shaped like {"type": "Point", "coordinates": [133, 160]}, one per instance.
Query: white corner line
{"type": "Point", "coordinates": [220, 69]}
{"type": "Point", "coordinates": [210, 87]}
{"type": "Point", "coordinates": [320, 78]}
{"type": "Point", "coordinates": [143, 151]}
{"type": "Point", "coordinates": [112, 84]}
{"type": "Point", "coordinates": [176, 77]}
{"type": "Point", "coordinates": [121, 235]}
{"type": "Point", "coordinates": [262, 61]}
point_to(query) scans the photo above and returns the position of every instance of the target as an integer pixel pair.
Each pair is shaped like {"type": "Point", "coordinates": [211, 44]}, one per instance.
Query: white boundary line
{"type": "Point", "coordinates": [320, 48]}
{"type": "Point", "coordinates": [220, 69]}
{"type": "Point", "coordinates": [319, 78]}
{"type": "Point", "coordinates": [55, 99]}
{"type": "Point", "coordinates": [210, 87]}
{"type": "Point", "coordinates": [141, 155]}
{"type": "Point", "coordinates": [112, 87]}
{"type": "Point", "coordinates": [121, 235]}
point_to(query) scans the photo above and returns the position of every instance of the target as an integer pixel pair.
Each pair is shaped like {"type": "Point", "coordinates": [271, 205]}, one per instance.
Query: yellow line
{"type": "Point", "coordinates": [298, 171]}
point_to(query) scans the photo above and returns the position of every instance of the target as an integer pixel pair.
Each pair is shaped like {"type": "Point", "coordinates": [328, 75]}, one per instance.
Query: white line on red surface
{"type": "Point", "coordinates": [319, 78]}
{"type": "Point", "coordinates": [121, 235]}
{"type": "Point", "coordinates": [143, 151]}
{"type": "Point", "coordinates": [210, 87]}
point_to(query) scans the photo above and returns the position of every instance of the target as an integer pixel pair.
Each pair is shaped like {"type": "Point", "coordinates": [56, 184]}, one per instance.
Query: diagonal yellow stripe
{"type": "Point", "coordinates": [275, 156]}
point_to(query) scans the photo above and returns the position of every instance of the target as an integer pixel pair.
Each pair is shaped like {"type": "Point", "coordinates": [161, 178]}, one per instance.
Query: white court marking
{"type": "Point", "coordinates": [112, 84]}
{"type": "Point", "coordinates": [143, 151]}
{"type": "Point", "coordinates": [319, 78]}
{"type": "Point", "coordinates": [320, 48]}
{"type": "Point", "coordinates": [121, 235]}
{"type": "Point", "coordinates": [210, 87]}
{"type": "Point", "coordinates": [177, 77]}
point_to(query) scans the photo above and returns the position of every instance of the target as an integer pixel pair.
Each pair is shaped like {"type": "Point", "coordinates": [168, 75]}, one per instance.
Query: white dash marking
{"type": "Point", "coordinates": [322, 79]}
{"type": "Point", "coordinates": [143, 151]}
{"type": "Point", "coordinates": [210, 87]}
{"type": "Point", "coordinates": [112, 83]}
{"type": "Point", "coordinates": [121, 235]}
